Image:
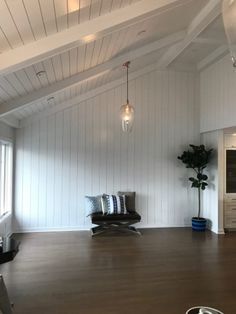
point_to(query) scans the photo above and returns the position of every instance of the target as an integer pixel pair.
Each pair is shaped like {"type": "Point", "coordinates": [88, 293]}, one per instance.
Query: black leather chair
{"type": "Point", "coordinates": [117, 222]}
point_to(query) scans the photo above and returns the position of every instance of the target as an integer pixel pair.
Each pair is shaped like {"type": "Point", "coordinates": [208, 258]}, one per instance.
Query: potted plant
{"type": "Point", "coordinates": [197, 159]}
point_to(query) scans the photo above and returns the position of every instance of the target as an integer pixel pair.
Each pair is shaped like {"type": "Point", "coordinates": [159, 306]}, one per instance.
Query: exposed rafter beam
{"type": "Point", "coordinates": [209, 41]}
{"type": "Point", "coordinates": [45, 92]}
{"type": "Point", "coordinates": [212, 57]}
{"type": "Point", "coordinates": [85, 32]}
{"type": "Point", "coordinates": [210, 11]}
{"type": "Point", "coordinates": [11, 121]}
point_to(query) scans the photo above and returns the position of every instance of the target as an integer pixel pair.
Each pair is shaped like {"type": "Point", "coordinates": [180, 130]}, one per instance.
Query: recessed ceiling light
{"type": "Point", "coordinates": [141, 32]}
{"type": "Point", "coordinates": [50, 100]}
{"type": "Point", "coordinates": [41, 73]}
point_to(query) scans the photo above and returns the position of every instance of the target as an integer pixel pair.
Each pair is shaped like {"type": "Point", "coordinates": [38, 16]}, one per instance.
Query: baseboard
{"type": "Point", "coordinates": [217, 231]}
{"type": "Point", "coordinates": [161, 226]}
{"type": "Point", "coordinates": [86, 228]}
{"type": "Point", "coordinates": [221, 231]}
{"type": "Point", "coordinates": [63, 229]}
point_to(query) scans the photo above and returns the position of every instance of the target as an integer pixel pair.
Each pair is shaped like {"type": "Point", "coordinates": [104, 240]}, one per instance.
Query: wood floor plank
{"type": "Point", "coordinates": [163, 271]}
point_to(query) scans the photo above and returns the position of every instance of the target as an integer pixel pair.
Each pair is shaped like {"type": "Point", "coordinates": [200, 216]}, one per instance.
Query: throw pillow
{"type": "Point", "coordinates": [93, 204]}
{"type": "Point", "coordinates": [114, 204]}
{"type": "Point", "coordinates": [130, 200]}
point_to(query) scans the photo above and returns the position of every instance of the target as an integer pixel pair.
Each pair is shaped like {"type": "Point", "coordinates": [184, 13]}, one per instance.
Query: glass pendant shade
{"type": "Point", "coordinates": [127, 111]}
{"type": "Point", "coordinates": [127, 117]}
{"type": "Point", "coordinates": [229, 19]}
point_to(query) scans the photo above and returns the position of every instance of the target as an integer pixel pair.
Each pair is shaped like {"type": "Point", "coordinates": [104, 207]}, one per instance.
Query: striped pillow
{"type": "Point", "coordinates": [114, 204]}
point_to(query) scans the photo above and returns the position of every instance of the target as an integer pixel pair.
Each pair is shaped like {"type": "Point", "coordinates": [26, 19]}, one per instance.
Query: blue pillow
{"type": "Point", "coordinates": [93, 204]}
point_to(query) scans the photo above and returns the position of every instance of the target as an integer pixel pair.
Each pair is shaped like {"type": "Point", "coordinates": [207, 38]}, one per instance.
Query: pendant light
{"type": "Point", "coordinates": [126, 110]}
{"type": "Point", "coordinates": [229, 19]}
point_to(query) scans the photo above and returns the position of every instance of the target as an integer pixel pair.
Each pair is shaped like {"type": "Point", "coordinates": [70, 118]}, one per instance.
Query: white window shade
{"type": "Point", "coordinates": [6, 171]}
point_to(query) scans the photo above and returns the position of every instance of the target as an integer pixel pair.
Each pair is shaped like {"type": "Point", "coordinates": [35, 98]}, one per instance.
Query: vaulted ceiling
{"type": "Point", "coordinates": [54, 52]}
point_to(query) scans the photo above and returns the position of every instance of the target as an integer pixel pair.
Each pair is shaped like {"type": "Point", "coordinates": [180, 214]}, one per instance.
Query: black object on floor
{"type": "Point", "coordinates": [203, 310]}
{"type": "Point", "coordinates": [117, 222]}
{"type": "Point", "coordinates": [5, 304]}
{"type": "Point", "coordinates": [9, 249]}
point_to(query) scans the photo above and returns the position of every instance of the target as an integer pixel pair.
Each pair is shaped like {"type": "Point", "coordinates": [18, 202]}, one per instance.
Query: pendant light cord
{"type": "Point", "coordinates": [127, 83]}
{"type": "Point", "coordinates": [126, 64]}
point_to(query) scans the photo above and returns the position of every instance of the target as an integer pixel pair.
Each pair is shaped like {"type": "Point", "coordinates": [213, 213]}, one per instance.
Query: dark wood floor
{"type": "Point", "coordinates": [164, 271]}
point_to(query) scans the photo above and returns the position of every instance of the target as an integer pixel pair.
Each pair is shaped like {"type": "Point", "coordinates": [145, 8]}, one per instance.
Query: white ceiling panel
{"type": "Point", "coordinates": [61, 17]}
{"type": "Point", "coordinates": [47, 10]}
{"type": "Point", "coordinates": [195, 53]}
{"type": "Point", "coordinates": [21, 21]}
{"type": "Point", "coordinates": [25, 21]}
{"type": "Point", "coordinates": [84, 57]}
{"type": "Point", "coordinates": [34, 17]}
{"type": "Point", "coordinates": [215, 30]}
{"type": "Point", "coordinates": [14, 81]}
{"type": "Point", "coordinates": [8, 88]}
{"type": "Point", "coordinates": [9, 27]}
{"type": "Point", "coordinates": [85, 87]}
{"type": "Point", "coordinates": [57, 67]}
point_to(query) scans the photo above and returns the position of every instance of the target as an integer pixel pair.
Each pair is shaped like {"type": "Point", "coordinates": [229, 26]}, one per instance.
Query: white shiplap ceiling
{"type": "Point", "coordinates": [80, 46]}
{"type": "Point", "coordinates": [25, 21]}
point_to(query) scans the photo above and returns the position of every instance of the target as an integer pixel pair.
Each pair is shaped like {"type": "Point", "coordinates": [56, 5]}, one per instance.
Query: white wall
{"type": "Point", "coordinates": [6, 133]}
{"type": "Point", "coordinates": [218, 96]}
{"type": "Point", "coordinates": [82, 150]}
{"type": "Point", "coordinates": [217, 112]}
{"type": "Point", "coordinates": [212, 205]}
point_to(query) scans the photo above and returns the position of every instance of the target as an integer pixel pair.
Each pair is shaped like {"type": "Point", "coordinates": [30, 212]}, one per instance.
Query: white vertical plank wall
{"type": "Point", "coordinates": [82, 151]}
{"type": "Point", "coordinates": [212, 197]}
{"type": "Point", "coordinates": [218, 96]}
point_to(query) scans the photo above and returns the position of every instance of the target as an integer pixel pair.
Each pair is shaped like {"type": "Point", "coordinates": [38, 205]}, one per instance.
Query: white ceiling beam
{"type": "Point", "coordinates": [11, 121]}
{"type": "Point", "coordinates": [44, 93]}
{"type": "Point", "coordinates": [209, 41]}
{"type": "Point", "coordinates": [213, 57]}
{"type": "Point", "coordinates": [83, 33]}
{"type": "Point", "coordinates": [208, 14]}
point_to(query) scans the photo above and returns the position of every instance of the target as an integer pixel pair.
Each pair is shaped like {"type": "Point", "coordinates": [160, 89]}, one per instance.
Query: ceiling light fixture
{"type": "Point", "coordinates": [40, 74]}
{"type": "Point", "coordinates": [50, 100]}
{"type": "Point", "coordinates": [126, 110]}
{"type": "Point", "coordinates": [142, 32]}
{"type": "Point", "coordinates": [229, 19]}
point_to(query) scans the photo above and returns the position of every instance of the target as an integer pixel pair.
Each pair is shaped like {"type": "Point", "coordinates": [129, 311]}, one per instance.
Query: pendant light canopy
{"type": "Point", "coordinates": [126, 110]}
{"type": "Point", "coordinates": [229, 18]}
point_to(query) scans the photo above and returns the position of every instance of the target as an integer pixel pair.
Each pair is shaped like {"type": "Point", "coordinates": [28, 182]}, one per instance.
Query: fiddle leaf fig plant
{"type": "Point", "coordinates": [197, 159]}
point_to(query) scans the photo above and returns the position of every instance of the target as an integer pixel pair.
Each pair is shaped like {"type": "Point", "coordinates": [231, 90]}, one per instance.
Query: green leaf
{"type": "Point", "coordinates": [199, 176]}
{"type": "Point", "coordinates": [196, 184]}
{"type": "Point", "coordinates": [196, 158]}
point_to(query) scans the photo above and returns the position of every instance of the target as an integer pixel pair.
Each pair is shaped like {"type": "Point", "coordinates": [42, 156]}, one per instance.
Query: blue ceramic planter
{"type": "Point", "coordinates": [199, 224]}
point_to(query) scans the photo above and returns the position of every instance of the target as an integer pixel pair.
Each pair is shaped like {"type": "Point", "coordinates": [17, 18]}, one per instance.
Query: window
{"type": "Point", "coordinates": [6, 165]}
